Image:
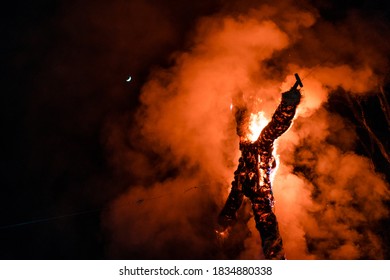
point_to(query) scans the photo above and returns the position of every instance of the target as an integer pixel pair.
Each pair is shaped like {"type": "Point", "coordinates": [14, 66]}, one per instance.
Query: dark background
{"type": "Point", "coordinates": [63, 71]}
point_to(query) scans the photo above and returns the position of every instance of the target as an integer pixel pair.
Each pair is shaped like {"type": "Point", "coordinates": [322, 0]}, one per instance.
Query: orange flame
{"type": "Point", "coordinates": [256, 124]}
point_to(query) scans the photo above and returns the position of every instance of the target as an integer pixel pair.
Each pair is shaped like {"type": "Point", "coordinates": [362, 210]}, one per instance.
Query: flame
{"type": "Point", "coordinates": [256, 124]}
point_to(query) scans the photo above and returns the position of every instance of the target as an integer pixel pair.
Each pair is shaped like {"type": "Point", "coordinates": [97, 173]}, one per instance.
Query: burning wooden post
{"type": "Point", "coordinates": [252, 177]}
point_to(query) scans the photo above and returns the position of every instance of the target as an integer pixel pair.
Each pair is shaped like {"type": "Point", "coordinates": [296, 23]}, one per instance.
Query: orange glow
{"type": "Point", "coordinates": [222, 235]}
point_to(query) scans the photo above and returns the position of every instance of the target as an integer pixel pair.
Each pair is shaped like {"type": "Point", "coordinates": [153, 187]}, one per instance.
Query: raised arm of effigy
{"type": "Point", "coordinates": [282, 118]}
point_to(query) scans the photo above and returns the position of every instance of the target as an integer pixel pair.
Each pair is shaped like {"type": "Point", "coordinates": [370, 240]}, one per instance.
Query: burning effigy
{"type": "Point", "coordinates": [252, 177]}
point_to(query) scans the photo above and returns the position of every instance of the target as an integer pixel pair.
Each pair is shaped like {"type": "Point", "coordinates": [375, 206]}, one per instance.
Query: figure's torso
{"type": "Point", "coordinates": [254, 170]}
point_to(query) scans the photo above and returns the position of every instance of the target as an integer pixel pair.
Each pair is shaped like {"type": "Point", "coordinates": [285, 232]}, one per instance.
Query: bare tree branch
{"type": "Point", "coordinates": [360, 117]}
{"type": "Point", "coordinates": [384, 104]}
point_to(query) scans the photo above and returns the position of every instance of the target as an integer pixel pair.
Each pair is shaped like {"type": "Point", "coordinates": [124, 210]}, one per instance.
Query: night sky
{"type": "Point", "coordinates": [65, 98]}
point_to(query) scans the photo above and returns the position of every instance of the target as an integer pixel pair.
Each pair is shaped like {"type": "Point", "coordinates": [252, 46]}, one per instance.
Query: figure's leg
{"type": "Point", "coordinates": [267, 225]}
{"type": "Point", "coordinates": [228, 215]}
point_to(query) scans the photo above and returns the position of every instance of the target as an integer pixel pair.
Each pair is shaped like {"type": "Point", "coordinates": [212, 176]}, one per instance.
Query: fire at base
{"type": "Point", "coordinates": [252, 177]}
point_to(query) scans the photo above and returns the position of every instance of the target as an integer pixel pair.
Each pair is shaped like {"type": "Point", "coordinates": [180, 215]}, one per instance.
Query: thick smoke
{"type": "Point", "coordinates": [328, 198]}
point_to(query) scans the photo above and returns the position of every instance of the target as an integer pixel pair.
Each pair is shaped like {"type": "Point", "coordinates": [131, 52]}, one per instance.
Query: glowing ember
{"type": "Point", "coordinates": [256, 123]}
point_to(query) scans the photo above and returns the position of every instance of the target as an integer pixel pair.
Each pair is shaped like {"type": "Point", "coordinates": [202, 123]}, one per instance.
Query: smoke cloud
{"type": "Point", "coordinates": [183, 146]}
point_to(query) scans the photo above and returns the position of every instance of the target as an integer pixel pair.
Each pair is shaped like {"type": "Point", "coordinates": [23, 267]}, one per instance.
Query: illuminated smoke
{"type": "Point", "coordinates": [327, 197]}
